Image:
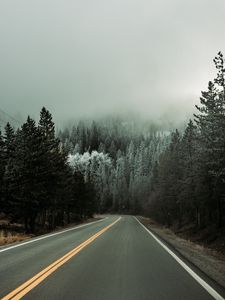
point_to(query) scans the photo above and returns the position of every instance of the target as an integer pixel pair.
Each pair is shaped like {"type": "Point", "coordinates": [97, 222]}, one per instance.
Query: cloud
{"type": "Point", "coordinates": [88, 57]}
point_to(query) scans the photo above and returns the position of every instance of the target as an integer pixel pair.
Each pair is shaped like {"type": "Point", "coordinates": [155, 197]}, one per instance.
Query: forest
{"type": "Point", "coordinates": [51, 178]}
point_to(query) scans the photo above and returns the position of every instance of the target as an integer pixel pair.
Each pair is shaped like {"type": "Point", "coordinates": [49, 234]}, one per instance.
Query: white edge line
{"type": "Point", "coordinates": [49, 235]}
{"type": "Point", "coordinates": [204, 284]}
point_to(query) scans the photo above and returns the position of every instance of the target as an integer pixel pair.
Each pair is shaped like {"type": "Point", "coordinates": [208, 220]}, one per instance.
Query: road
{"type": "Point", "coordinates": [115, 258]}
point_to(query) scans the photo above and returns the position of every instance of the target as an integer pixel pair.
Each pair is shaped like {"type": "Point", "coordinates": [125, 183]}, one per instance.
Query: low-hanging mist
{"type": "Point", "coordinates": [88, 59]}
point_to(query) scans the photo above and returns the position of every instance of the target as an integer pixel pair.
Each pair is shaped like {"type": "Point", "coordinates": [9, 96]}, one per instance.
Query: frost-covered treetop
{"type": "Point", "coordinates": [82, 162]}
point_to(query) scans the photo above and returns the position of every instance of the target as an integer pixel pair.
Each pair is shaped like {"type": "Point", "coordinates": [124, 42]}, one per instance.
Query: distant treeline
{"type": "Point", "coordinates": [119, 164]}
{"type": "Point", "coordinates": [188, 183]}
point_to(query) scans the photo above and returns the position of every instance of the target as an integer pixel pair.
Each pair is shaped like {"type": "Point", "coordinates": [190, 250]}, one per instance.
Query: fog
{"type": "Point", "coordinates": [83, 58]}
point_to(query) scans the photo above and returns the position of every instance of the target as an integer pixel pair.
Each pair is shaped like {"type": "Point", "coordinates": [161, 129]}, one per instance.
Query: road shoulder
{"type": "Point", "coordinates": [207, 263]}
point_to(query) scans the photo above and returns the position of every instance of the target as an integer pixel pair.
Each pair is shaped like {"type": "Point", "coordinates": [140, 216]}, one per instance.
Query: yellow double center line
{"type": "Point", "coordinates": [26, 287]}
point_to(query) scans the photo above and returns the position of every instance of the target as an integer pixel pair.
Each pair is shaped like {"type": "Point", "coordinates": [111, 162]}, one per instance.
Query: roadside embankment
{"type": "Point", "coordinates": [209, 261]}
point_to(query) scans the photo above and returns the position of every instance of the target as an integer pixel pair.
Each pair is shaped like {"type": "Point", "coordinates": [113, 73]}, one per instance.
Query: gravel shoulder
{"type": "Point", "coordinates": [209, 261]}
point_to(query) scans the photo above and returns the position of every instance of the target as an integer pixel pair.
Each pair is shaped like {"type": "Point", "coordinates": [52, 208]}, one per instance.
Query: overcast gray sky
{"type": "Point", "coordinates": [82, 57]}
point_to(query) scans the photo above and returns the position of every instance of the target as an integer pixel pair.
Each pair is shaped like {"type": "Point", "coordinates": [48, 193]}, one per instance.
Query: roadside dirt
{"type": "Point", "coordinates": [211, 262]}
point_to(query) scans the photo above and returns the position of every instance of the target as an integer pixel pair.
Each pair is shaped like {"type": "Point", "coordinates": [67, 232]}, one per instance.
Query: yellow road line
{"type": "Point", "coordinates": [23, 289]}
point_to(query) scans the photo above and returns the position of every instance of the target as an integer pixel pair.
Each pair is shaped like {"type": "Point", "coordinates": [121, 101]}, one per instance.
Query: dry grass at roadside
{"type": "Point", "coordinates": [8, 238]}
{"type": "Point", "coordinates": [12, 233]}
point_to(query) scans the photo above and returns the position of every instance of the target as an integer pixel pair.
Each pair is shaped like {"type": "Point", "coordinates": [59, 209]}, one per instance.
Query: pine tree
{"type": "Point", "coordinates": [2, 172]}
{"type": "Point", "coordinates": [94, 137]}
{"type": "Point", "coordinates": [9, 139]}
{"type": "Point", "coordinates": [211, 124]}
{"type": "Point", "coordinates": [23, 178]}
{"type": "Point", "coordinates": [83, 197]}
{"type": "Point", "coordinates": [190, 175]}
{"type": "Point", "coordinates": [9, 153]}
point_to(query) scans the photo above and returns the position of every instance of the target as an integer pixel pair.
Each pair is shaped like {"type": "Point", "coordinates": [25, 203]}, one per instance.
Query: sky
{"type": "Point", "coordinates": [85, 58]}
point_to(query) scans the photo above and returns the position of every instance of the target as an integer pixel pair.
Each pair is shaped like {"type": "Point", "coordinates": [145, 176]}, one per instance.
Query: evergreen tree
{"type": "Point", "coordinates": [94, 137]}
{"type": "Point", "coordinates": [23, 178]}
{"type": "Point", "coordinates": [50, 165]}
{"type": "Point", "coordinates": [9, 139]}
{"type": "Point", "coordinates": [2, 172]}
{"type": "Point", "coordinates": [211, 124]}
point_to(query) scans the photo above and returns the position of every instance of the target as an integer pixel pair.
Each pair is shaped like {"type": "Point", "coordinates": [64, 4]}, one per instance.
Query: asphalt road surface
{"type": "Point", "coordinates": [115, 258]}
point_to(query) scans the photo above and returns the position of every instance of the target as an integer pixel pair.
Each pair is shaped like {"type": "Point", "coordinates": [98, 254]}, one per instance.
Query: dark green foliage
{"type": "Point", "coordinates": [36, 183]}
{"type": "Point", "coordinates": [189, 183]}
{"type": "Point", "coordinates": [9, 139]}
{"type": "Point", "coordinates": [24, 177]}
{"type": "Point", "coordinates": [2, 170]}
